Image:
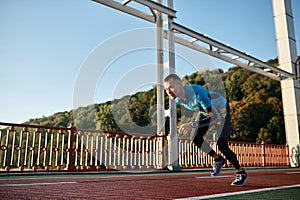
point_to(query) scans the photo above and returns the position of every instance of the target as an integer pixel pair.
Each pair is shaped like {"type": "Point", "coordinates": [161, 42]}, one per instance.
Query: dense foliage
{"type": "Point", "coordinates": [255, 102]}
{"type": "Point", "coordinates": [256, 107]}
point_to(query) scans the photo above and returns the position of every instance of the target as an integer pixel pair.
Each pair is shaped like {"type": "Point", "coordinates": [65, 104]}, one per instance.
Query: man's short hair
{"type": "Point", "coordinates": [172, 76]}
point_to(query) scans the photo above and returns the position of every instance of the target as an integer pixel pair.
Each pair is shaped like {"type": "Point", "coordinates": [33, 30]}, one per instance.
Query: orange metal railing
{"type": "Point", "coordinates": [248, 154]}
{"type": "Point", "coordinates": [34, 147]}
{"type": "Point", "coordinates": [44, 148]}
{"type": "Point", "coordinates": [254, 155]}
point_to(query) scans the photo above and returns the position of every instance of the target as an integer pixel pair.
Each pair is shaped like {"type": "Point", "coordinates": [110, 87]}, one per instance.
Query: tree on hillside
{"type": "Point", "coordinates": [234, 83]}
{"type": "Point", "coordinates": [85, 117]}
{"type": "Point", "coordinates": [60, 119]}
{"type": "Point", "coordinates": [256, 108]}
{"type": "Point", "coordinates": [210, 79]}
{"type": "Point", "coordinates": [105, 119]}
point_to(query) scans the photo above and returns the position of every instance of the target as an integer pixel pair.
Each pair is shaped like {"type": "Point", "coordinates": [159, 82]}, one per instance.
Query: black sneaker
{"type": "Point", "coordinates": [218, 166]}
{"type": "Point", "coordinates": [240, 180]}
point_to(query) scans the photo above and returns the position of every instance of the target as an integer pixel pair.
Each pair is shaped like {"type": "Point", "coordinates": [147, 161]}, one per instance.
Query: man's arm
{"type": "Point", "coordinates": [211, 116]}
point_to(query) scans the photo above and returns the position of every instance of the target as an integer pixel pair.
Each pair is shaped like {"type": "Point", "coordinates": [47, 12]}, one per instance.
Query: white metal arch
{"type": "Point", "coordinates": [287, 74]}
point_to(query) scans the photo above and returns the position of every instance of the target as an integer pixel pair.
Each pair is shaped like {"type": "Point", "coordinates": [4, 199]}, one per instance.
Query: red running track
{"type": "Point", "coordinates": [139, 185]}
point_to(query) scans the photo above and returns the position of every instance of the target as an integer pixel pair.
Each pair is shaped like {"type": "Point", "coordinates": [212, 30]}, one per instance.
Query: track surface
{"type": "Point", "coordinates": [139, 186]}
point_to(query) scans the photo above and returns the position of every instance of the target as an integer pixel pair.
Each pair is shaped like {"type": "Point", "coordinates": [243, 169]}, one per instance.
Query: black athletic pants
{"type": "Point", "coordinates": [223, 132]}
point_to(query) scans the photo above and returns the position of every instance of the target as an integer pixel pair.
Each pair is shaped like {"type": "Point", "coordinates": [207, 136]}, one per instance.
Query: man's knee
{"type": "Point", "coordinates": [223, 144]}
{"type": "Point", "coordinates": [198, 141]}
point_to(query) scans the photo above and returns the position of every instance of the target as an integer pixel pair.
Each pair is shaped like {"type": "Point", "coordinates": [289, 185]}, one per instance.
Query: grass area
{"type": "Point", "coordinates": [286, 194]}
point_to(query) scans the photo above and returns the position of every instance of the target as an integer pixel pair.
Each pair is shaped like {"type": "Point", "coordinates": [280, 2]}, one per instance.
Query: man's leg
{"type": "Point", "coordinates": [205, 147]}
{"type": "Point", "coordinates": [200, 143]}
{"type": "Point", "coordinates": [241, 175]}
{"type": "Point", "coordinates": [228, 153]}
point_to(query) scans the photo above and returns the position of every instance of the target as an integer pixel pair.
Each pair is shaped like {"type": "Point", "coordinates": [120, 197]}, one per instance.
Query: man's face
{"type": "Point", "coordinates": [173, 88]}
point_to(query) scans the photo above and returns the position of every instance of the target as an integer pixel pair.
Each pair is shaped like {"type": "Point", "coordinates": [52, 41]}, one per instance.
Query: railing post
{"type": "Point", "coordinates": [71, 147]}
{"type": "Point", "coordinates": [287, 150]}
{"type": "Point", "coordinates": [263, 155]}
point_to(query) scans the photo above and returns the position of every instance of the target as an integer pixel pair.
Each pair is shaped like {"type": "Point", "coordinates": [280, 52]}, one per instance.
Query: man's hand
{"type": "Point", "coordinates": [185, 128]}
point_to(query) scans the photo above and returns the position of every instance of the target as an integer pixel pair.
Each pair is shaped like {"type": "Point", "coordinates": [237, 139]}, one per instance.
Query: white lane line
{"type": "Point", "coordinates": [241, 192]}
{"type": "Point", "coordinates": [225, 176]}
{"type": "Point", "coordinates": [292, 172]}
{"type": "Point", "coordinates": [34, 184]}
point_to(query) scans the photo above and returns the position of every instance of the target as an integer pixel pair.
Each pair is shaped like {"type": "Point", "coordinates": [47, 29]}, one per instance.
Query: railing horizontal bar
{"type": "Point", "coordinates": [33, 126]}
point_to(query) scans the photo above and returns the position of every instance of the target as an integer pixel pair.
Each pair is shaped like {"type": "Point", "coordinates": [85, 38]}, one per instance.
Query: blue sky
{"type": "Point", "coordinates": [45, 45]}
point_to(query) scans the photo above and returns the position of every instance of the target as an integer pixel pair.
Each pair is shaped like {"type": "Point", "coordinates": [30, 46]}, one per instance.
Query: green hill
{"type": "Point", "coordinates": [255, 101]}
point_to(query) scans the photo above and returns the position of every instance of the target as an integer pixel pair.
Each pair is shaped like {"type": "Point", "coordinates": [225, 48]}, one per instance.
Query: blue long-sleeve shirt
{"type": "Point", "coordinates": [198, 98]}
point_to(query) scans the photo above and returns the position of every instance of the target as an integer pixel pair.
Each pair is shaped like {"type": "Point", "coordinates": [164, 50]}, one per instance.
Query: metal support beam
{"type": "Point", "coordinates": [125, 2]}
{"type": "Point", "coordinates": [173, 142]}
{"type": "Point", "coordinates": [160, 73]}
{"type": "Point", "coordinates": [160, 88]}
{"type": "Point", "coordinates": [127, 9]}
{"type": "Point", "coordinates": [290, 89]}
{"type": "Point", "coordinates": [249, 66]}
{"type": "Point", "coordinates": [158, 7]}
{"type": "Point", "coordinates": [226, 49]}
{"type": "Point", "coordinates": [216, 49]}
